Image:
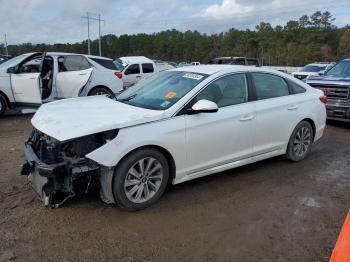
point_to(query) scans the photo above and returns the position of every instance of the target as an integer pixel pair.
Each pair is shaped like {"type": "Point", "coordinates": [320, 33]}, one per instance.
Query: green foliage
{"type": "Point", "coordinates": [311, 38]}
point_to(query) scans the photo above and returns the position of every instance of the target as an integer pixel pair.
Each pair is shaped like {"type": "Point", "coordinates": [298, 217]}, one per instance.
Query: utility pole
{"type": "Point", "coordinates": [99, 33]}
{"type": "Point", "coordinates": [7, 52]}
{"type": "Point", "coordinates": [88, 18]}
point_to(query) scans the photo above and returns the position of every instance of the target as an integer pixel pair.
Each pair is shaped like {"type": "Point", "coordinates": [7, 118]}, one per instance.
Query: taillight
{"type": "Point", "coordinates": [118, 74]}
{"type": "Point", "coordinates": [324, 99]}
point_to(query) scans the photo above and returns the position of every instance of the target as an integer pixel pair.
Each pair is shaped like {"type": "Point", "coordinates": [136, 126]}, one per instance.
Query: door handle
{"type": "Point", "coordinates": [292, 107]}
{"type": "Point", "coordinates": [82, 74]}
{"type": "Point", "coordinates": [138, 76]}
{"type": "Point", "coordinates": [247, 118]}
{"type": "Point", "coordinates": [32, 77]}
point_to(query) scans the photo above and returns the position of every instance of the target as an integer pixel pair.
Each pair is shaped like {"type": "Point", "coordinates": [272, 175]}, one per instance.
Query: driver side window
{"type": "Point", "coordinates": [226, 91]}
{"type": "Point", "coordinates": [133, 69]}
{"type": "Point", "coordinates": [30, 66]}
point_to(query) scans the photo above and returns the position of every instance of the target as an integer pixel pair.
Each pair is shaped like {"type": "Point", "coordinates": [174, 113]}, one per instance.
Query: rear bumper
{"type": "Point", "coordinates": [338, 112]}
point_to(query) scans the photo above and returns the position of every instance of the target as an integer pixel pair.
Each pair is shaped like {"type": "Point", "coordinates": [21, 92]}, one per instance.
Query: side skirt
{"type": "Point", "coordinates": [228, 166]}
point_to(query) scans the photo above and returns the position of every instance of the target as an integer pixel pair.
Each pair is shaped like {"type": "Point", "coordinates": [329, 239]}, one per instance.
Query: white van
{"type": "Point", "coordinates": [133, 68]}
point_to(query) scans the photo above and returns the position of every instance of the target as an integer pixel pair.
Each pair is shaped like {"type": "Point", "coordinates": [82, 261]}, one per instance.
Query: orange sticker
{"type": "Point", "coordinates": [170, 95]}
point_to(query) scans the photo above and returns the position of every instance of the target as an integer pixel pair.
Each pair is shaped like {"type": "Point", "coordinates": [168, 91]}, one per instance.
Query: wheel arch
{"type": "Point", "coordinates": [313, 125]}
{"type": "Point", "coordinates": [165, 152]}
{"type": "Point", "coordinates": [100, 86]}
{"type": "Point", "coordinates": [7, 100]}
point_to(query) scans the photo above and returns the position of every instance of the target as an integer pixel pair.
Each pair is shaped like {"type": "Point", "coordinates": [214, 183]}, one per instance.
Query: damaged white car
{"type": "Point", "coordinates": [28, 80]}
{"type": "Point", "coordinates": [172, 127]}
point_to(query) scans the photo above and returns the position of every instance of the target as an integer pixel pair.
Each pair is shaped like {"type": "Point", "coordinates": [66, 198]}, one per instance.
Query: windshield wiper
{"type": "Point", "coordinates": [127, 98]}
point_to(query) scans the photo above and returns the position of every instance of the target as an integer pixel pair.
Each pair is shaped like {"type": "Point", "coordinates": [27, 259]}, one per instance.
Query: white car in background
{"type": "Point", "coordinates": [134, 68]}
{"type": "Point", "coordinates": [29, 80]}
{"type": "Point", "coordinates": [312, 70]}
{"type": "Point", "coordinates": [174, 126]}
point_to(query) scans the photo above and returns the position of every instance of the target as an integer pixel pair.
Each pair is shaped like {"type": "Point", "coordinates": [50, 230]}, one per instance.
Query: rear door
{"type": "Point", "coordinates": [277, 112]}
{"type": "Point", "coordinates": [74, 72]}
{"type": "Point", "coordinates": [25, 81]}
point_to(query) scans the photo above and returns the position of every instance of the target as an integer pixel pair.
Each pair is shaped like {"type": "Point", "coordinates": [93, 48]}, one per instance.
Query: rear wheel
{"type": "Point", "coordinates": [100, 91]}
{"type": "Point", "coordinates": [140, 179]}
{"type": "Point", "coordinates": [3, 105]}
{"type": "Point", "coordinates": [300, 142]}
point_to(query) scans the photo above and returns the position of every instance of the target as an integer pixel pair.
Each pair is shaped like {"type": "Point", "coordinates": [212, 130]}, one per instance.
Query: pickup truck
{"type": "Point", "coordinates": [335, 83]}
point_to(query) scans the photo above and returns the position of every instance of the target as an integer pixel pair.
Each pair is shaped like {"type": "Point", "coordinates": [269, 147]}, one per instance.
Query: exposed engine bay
{"type": "Point", "coordinates": [60, 170]}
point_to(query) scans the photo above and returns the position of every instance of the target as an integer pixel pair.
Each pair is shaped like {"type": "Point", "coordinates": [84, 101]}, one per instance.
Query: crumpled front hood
{"type": "Point", "coordinates": [77, 117]}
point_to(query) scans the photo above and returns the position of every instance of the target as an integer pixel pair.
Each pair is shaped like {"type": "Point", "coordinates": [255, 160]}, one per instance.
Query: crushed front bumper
{"type": "Point", "coordinates": [55, 183]}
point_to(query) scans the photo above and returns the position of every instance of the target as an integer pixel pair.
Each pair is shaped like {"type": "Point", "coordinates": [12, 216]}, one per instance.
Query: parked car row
{"type": "Point", "coordinates": [312, 70]}
{"type": "Point", "coordinates": [32, 79]}
{"type": "Point", "coordinates": [335, 83]}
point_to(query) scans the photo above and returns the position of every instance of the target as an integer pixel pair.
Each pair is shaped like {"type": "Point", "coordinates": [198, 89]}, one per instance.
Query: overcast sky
{"type": "Point", "coordinates": [59, 21]}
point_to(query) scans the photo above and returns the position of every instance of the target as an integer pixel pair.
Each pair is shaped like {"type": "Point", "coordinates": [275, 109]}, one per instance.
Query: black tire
{"type": "Point", "coordinates": [3, 105]}
{"type": "Point", "coordinates": [295, 150]}
{"type": "Point", "coordinates": [100, 91]}
{"type": "Point", "coordinates": [122, 172]}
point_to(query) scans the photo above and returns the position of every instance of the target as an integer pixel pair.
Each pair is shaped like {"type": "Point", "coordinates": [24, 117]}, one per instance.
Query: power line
{"type": "Point", "coordinates": [89, 17]}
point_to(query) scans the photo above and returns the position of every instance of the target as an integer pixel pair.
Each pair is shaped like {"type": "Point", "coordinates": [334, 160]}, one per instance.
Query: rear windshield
{"type": "Point", "coordinates": [106, 63]}
{"type": "Point", "coordinates": [119, 64]}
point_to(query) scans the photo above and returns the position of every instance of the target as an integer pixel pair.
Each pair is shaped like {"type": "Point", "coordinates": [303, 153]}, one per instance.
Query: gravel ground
{"type": "Point", "coordinates": [273, 210]}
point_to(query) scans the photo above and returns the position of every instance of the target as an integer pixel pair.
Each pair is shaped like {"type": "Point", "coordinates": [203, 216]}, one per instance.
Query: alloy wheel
{"type": "Point", "coordinates": [302, 141]}
{"type": "Point", "coordinates": [143, 180]}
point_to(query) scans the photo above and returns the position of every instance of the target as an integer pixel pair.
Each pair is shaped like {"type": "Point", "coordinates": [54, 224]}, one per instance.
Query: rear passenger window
{"type": "Point", "coordinates": [226, 91]}
{"type": "Point", "coordinates": [106, 63]}
{"type": "Point", "coordinates": [295, 88]}
{"type": "Point", "coordinates": [133, 69]}
{"type": "Point", "coordinates": [147, 68]}
{"type": "Point", "coordinates": [269, 86]}
{"type": "Point", "coordinates": [72, 63]}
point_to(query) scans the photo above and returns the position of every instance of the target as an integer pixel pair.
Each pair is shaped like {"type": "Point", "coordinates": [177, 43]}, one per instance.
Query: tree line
{"type": "Point", "coordinates": [298, 42]}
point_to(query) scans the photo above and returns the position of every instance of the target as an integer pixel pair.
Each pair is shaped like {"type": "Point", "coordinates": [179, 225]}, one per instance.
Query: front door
{"type": "Point", "coordinates": [25, 81]}
{"type": "Point", "coordinates": [132, 75]}
{"type": "Point", "coordinates": [74, 72]}
{"type": "Point", "coordinates": [215, 139]}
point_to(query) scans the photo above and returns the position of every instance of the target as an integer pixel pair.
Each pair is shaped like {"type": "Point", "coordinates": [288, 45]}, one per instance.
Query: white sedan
{"type": "Point", "coordinates": [31, 79]}
{"type": "Point", "coordinates": [174, 126]}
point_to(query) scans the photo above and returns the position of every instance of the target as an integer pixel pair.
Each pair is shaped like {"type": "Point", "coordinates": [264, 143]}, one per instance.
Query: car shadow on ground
{"type": "Point", "coordinates": [338, 124]}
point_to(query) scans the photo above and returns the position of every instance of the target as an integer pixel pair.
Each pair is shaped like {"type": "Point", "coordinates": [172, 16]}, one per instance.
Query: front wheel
{"type": "Point", "coordinates": [300, 142]}
{"type": "Point", "coordinates": [140, 179]}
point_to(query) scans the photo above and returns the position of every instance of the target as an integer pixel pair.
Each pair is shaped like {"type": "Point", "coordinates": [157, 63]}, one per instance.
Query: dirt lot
{"type": "Point", "coordinates": [269, 211]}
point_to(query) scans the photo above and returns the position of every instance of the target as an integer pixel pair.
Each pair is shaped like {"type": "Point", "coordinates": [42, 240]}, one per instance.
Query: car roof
{"type": "Point", "coordinates": [212, 69]}
{"type": "Point", "coordinates": [135, 59]}
{"type": "Point", "coordinates": [89, 56]}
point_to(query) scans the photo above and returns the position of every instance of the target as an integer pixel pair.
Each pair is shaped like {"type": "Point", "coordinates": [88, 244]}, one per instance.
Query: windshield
{"type": "Point", "coordinates": [14, 61]}
{"type": "Point", "coordinates": [161, 90]}
{"type": "Point", "coordinates": [119, 64]}
{"type": "Point", "coordinates": [342, 69]}
{"type": "Point", "coordinates": [313, 68]}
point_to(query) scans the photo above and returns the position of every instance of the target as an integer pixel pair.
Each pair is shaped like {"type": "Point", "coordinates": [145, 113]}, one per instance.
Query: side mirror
{"type": "Point", "coordinates": [203, 106]}
{"type": "Point", "coordinates": [321, 73]}
{"type": "Point", "coordinates": [11, 70]}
